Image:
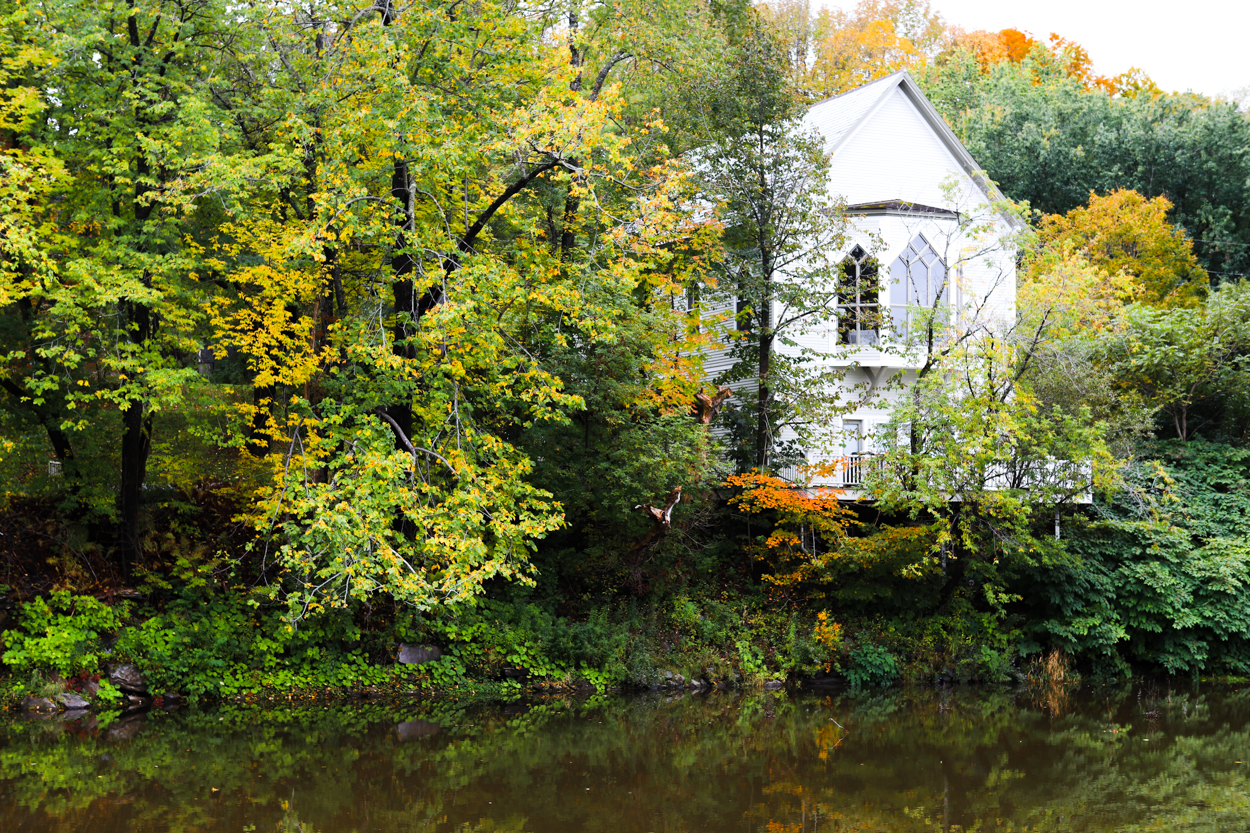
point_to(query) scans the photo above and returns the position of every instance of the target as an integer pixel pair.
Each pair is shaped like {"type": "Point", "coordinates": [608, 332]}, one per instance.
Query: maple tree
{"type": "Point", "coordinates": [1015, 46]}
{"type": "Point", "coordinates": [442, 252]}
{"type": "Point", "coordinates": [808, 524]}
{"type": "Point", "coordinates": [835, 50]}
{"type": "Point", "coordinates": [1123, 232]}
{"type": "Point", "coordinates": [879, 37]}
{"type": "Point", "coordinates": [394, 230]}
{"type": "Point", "coordinates": [770, 178]}
{"type": "Point", "coordinates": [98, 342]}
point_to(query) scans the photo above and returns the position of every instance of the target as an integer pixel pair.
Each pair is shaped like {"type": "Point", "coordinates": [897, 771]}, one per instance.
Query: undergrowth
{"type": "Point", "coordinates": [208, 643]}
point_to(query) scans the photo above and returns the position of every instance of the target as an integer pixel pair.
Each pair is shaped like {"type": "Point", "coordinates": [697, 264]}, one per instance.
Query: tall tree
{"type": "Point", "coordinates": [781, 228]}
{"type": "Point", "coordinates": [835, 50]}
{"type": "Point", "coordinates": [443, 211]}
{"type": "Point", "coordinates": [110, 330]}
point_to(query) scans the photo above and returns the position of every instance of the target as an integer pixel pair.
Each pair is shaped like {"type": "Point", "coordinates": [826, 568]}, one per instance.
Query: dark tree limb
{"type": "Point", "coordinates": [661, 523]}
{"type": "Point", "coordinates": [603, 72]}
{"type": "Point", "coordinates": [470, 237]}
{"type": "Point", "coordinates": [406, 443]}
{"type": "Point", "coordinates": [49, 420]}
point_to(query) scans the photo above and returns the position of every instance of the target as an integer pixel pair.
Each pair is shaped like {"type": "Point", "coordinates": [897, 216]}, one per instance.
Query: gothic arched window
{"type": "Point", "coordinates": [917, 279]}
{"type": "Point", "coordinates": [859, 299]}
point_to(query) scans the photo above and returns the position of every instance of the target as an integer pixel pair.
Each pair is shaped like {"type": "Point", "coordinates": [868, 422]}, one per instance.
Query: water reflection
{"type": "Point", "coordinates": [1128, 759]}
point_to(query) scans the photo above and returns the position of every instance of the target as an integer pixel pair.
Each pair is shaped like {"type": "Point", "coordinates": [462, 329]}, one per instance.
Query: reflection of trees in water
{"type": "Point", "coordinates": [1126, 760]}
{"type": "Point", "coordinates": [915, 760]}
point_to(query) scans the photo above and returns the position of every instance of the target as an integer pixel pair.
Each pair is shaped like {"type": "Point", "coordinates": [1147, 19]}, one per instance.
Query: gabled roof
{"type": "Point", "coordinates": [839, 118]}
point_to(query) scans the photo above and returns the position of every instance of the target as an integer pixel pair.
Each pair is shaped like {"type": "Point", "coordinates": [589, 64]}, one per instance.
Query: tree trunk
{"type": "Point", "coordinates": [136, 420]}
{"type": "Point", "coordinates": [568, 233]}
{"type": "Point", "coordinates": [136, 448]}
{"type": "Point", "coordinates": [136, 444]}
{"type": "Point", "coordinates": [403, 292]}
{"type": "Point", "coordinates": [956, 567]}
{"type": "Point", "coordinates": [762, 428]}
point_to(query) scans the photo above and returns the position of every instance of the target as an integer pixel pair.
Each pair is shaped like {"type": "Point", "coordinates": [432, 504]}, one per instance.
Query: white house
{"type": "Point", "coordinates": [924, 230]}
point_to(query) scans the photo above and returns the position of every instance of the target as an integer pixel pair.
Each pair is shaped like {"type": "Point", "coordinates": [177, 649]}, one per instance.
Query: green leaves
{"type": "Point", "coordinates": [424, 530]}
{"type": "Point", "coordinates": [770, 179]}
{"type": "Point", "coordinates": [1048, 140]}
{"type": "Point", "coordinates": [974, 453]}
{"type": "Point", "coordinates": [1191, 366]}
{"type": "Point", "coordinates": [1159, 577]}
{"type": "Point", "coordinates": [63, 633]}
{"type": "Point", "coordinates": [441, 227]}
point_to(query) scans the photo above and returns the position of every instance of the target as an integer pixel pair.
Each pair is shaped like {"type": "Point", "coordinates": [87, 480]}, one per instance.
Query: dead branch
{"type": "Point", "coordinates": [706, 407]}
{"type": "Point", "coordinates": [662, 522]}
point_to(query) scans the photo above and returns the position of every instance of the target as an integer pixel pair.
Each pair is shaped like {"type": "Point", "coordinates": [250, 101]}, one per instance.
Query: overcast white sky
{"type": "Point", "coordinates": [1203, 45]}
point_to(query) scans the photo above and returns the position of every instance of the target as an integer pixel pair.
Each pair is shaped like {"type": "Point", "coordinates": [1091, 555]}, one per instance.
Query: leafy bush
{"type": "Point", "coordinates": [871, 665]}
{"type": "Point", "coordinates": [1160, 582]}
{"type": "Point", "coordinates": [62, 633]}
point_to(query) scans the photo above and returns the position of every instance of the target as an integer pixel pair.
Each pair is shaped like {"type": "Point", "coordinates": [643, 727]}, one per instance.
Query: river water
{"type": "Point", "coordinates": [1139, 758]}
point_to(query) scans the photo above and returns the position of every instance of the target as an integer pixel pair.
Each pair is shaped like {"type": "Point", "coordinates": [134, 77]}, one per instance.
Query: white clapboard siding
{"type": "Point", "coordinates": [717, 315]}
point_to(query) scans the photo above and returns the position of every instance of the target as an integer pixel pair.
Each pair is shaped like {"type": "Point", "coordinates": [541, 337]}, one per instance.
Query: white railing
{"type": "Point", "coordinates": [790, 472]}
{"type": "Point", "coordinates": [853, 474]}
{"type": "Point", "coordinates": [849, 471]}
{"type": "Point", "coordinates": [857, 465]}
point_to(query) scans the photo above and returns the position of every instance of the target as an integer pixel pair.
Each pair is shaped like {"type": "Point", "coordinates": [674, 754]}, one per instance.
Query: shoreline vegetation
{"type": "Point", "coordinates": [402, 347]}
{"type": "Point", "coordinates": [1157, 600]}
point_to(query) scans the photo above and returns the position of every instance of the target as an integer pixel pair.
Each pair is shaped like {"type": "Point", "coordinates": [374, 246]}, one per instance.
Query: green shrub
{"type": "Point", "coordinates": [1159, 578]}
{"type": "Point", "coordinates": [62, 633]}
{"type": "Point", "coordinates": [871, 665]}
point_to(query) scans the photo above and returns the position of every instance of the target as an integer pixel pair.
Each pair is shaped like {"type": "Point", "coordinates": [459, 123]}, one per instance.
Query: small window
{"type": "Point", "coordinates": [853, 464]}
{"type": "Point", "coordinates": [742, 313]}
{"type": "Point", "coordinates": [859, 299]}
{"type": "Point", "coordinates": [853, 434]}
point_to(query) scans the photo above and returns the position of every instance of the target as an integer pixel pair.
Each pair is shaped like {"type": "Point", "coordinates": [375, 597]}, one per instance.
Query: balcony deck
{"type": "Point", "coordinates": [850, 474]}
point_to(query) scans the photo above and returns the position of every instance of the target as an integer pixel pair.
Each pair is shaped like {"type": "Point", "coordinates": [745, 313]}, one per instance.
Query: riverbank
{"type": "Point", "coordinates": [200, 644]}
{"type": "Point", "coordinates": [1117, 597]}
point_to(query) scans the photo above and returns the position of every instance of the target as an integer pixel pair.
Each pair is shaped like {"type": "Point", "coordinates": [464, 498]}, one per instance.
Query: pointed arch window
{"type": "Point", "coordinates": [917, 279]}
{"type": "Point", "coordinates": [859, 299]}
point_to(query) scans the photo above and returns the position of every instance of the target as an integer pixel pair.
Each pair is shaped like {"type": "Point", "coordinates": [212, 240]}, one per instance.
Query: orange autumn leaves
{"type": "Point", "coordinates": [1015, 45]}
{"type": "Point", "coordinates": [807, 521]}
{"type": "Point", "coordinates": [832, 51]}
